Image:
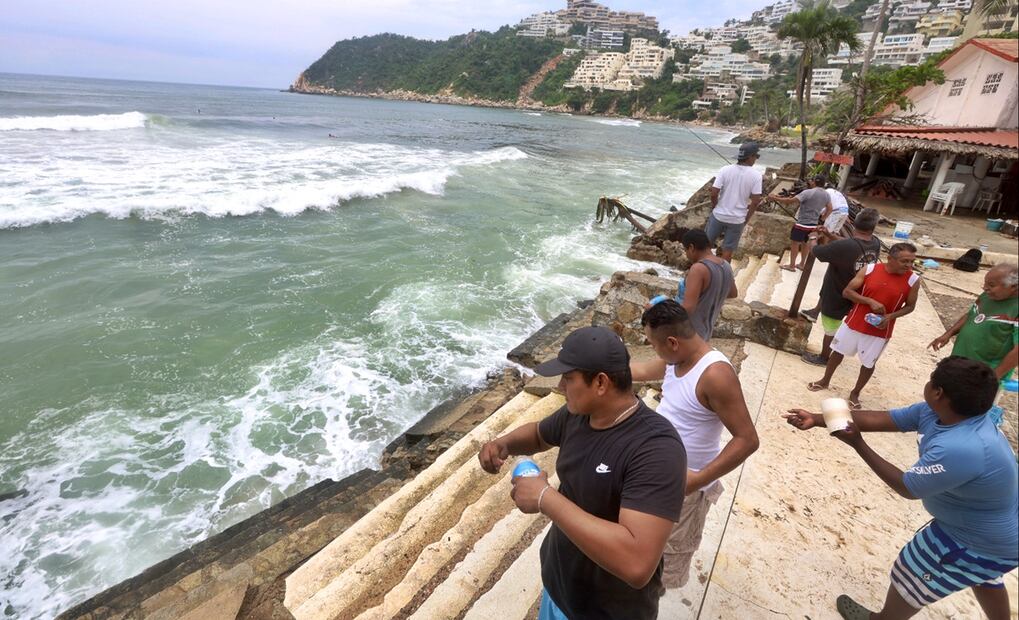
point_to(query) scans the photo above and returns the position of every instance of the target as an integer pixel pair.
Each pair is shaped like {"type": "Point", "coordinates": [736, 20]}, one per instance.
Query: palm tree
{"type": "Point", "coordinates": [861, 90]}
{"type": "Point", "coordinates": [819, 28]}
{"type": "Point", "coordinates": [992, 7]}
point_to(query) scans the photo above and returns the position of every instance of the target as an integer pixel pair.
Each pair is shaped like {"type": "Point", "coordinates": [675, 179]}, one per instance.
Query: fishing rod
{"type": "Point", "coordinates": [724, 158]}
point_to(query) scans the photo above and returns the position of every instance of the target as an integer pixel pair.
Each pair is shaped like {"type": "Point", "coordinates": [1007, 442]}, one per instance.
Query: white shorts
{"type": "Point", "coordinates": [850, 342]}
{"type": "Point", "coordinates": [833, 223]}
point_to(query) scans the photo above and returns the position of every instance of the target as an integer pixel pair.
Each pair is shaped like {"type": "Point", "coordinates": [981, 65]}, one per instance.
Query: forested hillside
{"type": "Point", "coordinates": [488, 65]}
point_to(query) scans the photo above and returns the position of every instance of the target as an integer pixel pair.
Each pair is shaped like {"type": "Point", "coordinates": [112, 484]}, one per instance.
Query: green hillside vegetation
{"type": "Point", "coordinates": [550, 91]}
{"type": "Point", "coordinates": [489, 65]}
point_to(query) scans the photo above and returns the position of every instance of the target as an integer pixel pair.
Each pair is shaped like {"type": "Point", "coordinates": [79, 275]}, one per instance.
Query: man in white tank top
{"type": "Point", "coordinates": [701, 395]}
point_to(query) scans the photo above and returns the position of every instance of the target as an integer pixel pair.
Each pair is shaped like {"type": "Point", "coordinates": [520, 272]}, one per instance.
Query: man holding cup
{"type": "Point", "coordinates": [622, 472]}
{"type": "Point", "coordinates": [966, 478]}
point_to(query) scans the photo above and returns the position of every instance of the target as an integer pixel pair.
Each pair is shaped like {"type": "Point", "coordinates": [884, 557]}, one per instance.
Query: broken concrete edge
{"type": "Point", "coordinates": [533, 349]}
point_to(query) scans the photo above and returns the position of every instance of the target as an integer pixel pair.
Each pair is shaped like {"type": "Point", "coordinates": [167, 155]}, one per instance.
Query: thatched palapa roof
{"type": "Point", "coordinates": [992, 143]}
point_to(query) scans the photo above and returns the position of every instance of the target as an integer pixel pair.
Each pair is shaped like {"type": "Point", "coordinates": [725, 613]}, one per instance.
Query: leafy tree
{"type": "Point", "coordinates": [740, 46]}
{"type": "Point", "coordinates": [550, 91]}
{"type": "Point", "coordinates": [857, 8]}
{"type": "Point", "coordinates": [820, 29]}
{"type": "Point", "coordinates": [883, 87]}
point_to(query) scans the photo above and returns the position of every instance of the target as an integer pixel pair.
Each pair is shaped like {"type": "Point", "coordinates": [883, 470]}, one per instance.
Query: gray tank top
{"type": "Point", "coordinates": [709, 305]}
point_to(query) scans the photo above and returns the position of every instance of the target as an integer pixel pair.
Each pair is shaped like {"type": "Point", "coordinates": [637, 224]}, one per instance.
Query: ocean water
{"type": "Point", "coordinates": [211, 298]}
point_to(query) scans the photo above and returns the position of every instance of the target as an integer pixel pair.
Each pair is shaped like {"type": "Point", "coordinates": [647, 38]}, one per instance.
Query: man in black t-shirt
{"type": "Point", "coordinates": [845, 258]}
{"type": "Point", "coordinates": [622, 473]}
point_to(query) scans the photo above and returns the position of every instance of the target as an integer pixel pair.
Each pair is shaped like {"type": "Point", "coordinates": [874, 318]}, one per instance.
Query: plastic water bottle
{"type": "Point", "coordinates": [682, 290]}
{"type": "Point", "coordinates": [526, 468]}
{"type": "Point", "coordinates": [873, 319]}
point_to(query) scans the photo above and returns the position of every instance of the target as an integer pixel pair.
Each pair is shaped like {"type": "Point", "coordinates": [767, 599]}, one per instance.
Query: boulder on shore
{"type": "Point", "coordinates": [621, 303]}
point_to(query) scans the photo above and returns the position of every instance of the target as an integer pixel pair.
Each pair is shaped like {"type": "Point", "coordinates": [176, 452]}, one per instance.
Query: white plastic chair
{"type": "Point", "coordinates": [990, 200]}
{"type": "Point", "coordinates": [947, 194]}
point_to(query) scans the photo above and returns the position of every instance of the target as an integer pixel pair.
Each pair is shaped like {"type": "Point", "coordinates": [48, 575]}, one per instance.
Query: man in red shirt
{"type": "Point", "coordinates": [881, 293]}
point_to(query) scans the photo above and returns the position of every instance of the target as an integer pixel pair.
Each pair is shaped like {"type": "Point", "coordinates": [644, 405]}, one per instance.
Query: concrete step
{"type": "Point", "coordinates": [785, 288]}
{"type": "Point", "coordinates": [357, 570]}
{"type": "Point", "coordinates": [517, 591]}
{"type": "Point", "coordinates": [746, 274]}
{"type": "Point", "coordinates": [760, 288]}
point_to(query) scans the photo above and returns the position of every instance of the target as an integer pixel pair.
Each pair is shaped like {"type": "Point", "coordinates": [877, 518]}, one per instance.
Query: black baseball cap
{"type": "Point", "coordinates": [747, 149]}
{"type": "Point", "coordinates": [596, 349]}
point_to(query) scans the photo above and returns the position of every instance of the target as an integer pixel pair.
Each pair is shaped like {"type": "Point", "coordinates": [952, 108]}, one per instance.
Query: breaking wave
{"type": "Point", "coordinates": [74, 122]}
{"type": "Point", "coordinates": [618, 122]}
{"type": "Point", "coordinates": [228, 179]}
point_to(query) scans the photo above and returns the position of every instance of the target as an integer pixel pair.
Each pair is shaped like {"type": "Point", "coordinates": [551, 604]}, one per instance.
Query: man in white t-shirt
{"type": "Point", "coordinates": [839, 214]}
{"type": "Point", "coordinates": [735, 195]}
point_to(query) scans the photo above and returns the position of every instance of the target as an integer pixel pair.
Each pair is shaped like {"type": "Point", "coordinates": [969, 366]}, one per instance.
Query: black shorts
{"type": "Point", "coordinates": [799, 235]}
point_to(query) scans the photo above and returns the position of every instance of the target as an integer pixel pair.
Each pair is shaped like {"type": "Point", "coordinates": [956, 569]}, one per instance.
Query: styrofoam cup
{"type": "Point", "coordinates": [836, 414]}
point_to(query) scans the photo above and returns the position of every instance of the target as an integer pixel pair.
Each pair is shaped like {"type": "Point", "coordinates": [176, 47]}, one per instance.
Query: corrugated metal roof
{"type": "Point", "coordinates": [963, 135]}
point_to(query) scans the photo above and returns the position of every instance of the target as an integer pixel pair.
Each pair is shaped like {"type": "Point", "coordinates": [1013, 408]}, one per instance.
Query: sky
{"type": "Point", "coordinates": [257, 42]}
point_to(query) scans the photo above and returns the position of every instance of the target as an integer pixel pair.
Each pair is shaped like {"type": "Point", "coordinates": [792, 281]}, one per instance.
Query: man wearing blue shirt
{"type": "Point", "coordinates": [966, 478]}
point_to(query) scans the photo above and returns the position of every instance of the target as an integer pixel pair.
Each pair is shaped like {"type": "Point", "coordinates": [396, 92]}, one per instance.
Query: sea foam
{"type": "Point", "coordinates": [618, 122]}
{"type": "Point", "coordinates": [238, 178]}
{"type": "Point", "coordinates": [74, 122]}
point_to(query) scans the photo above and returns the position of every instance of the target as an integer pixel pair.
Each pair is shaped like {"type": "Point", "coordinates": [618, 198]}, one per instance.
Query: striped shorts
{"type": "Point", "coordinates": [932, 565]}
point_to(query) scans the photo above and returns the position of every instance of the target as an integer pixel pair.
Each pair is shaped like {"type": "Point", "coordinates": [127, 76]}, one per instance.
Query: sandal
{"type": "Point", "coordinates": [850, 609]}
{"type": "Point", "coordinates": [814, 358]}
{"type": "Point", "coordinates": [788, 268]}
{"type": "Point", "coordinates": [854, 404]}
{"type": "Point", "coordinates": [815, 386]}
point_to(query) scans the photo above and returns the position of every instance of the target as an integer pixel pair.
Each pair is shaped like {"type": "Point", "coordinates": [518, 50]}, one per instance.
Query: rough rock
{"type": "Point", "coordinates": [762, 324]}
{"type": "Point", "coordinates": [672, 225]}
{"type": "Point", "coordinates": [767, 233]}
{"type": "Point", "coordinates": [621, 302]}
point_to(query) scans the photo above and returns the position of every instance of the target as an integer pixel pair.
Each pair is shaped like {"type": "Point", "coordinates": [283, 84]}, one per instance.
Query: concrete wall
{"type": "Point", "coordinates": [971, 108]}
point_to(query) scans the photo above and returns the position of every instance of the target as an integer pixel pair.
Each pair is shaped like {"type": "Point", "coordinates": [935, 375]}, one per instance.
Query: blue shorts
{"type": "Point", "coordinates": [713, 229]}
{"type": "Point", "coordinates": [548, 609]}
{"type": "Point", "coordinates": [932, 565]}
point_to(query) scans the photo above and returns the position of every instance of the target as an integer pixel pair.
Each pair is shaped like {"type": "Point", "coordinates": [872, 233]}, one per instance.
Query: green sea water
{"type": "Point", "coordinates": [208, 304]}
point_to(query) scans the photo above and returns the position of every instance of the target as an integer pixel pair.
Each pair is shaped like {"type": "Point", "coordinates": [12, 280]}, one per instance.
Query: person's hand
{"type": "Point", "coordinates": [492, 455]}
{"type": "Point", "coordinates": [876, 306]}
{"type": "Point", "coordinates": [694, 481]}
{"type": "Point", "coordinates": [939, 342]}
{"type": "Point", "coordinates": [526, 491]}
{"type": "Point", "coordinates": [851, 435]}
{"type": "Point", "coordinates": [801, 419]}
{"type": "Point", "coordinates": [884, 322]}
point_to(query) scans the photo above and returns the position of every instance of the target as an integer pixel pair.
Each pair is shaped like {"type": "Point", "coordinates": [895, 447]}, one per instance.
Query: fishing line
{"type": "Point", "coordinates": [724, 158]}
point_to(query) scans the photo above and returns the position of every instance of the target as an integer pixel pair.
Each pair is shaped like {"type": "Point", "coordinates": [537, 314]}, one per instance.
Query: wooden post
{"type": "Point", "coordinates": [801, 288]}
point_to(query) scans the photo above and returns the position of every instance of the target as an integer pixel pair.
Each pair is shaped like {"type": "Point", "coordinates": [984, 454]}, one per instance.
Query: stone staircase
{"type": "Point", "coordinates": [762, 279]}
{"type": "Point", "coordinates": [437, 545]}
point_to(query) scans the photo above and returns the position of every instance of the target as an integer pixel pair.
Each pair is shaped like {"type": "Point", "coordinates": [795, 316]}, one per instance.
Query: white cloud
{"type": "Point", "coordinates": [258, 42]}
